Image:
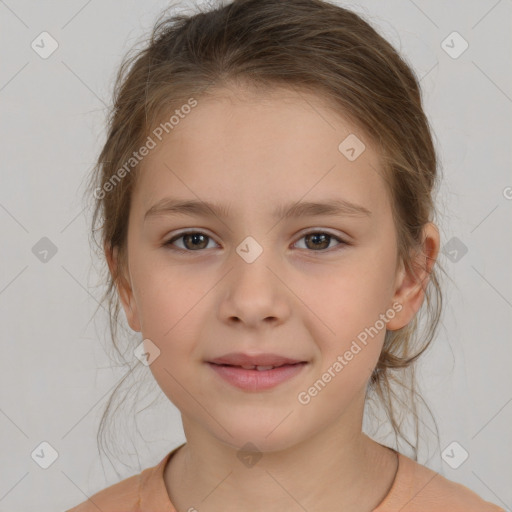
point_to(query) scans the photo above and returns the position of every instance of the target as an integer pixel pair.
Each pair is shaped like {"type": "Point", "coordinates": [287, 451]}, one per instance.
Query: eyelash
{"type": "Point", "coordinates": [169, 243]}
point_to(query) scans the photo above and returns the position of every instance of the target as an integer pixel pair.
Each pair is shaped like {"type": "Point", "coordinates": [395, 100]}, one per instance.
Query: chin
{"type": "Point", "coordinates": [261, 436]}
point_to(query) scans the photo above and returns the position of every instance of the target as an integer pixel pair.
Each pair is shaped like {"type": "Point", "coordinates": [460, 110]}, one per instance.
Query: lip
{"type": "Point", "coordinates": [264, 359]}
{"type": "Point", "coordinates": [257, 380]}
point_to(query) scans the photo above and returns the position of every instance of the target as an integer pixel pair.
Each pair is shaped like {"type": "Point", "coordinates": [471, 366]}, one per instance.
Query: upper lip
{"type": "Point", "coordinates": [240, 359]}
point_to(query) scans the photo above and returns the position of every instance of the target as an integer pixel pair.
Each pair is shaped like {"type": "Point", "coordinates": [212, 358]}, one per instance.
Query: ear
{"type": "Point", "coordinates": [124, 288]}
{"type": "Point", "coordinates": [409, 288]}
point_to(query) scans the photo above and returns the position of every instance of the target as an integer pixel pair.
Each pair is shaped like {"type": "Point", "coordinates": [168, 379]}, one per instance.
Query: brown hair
{"type": "Point", "coordinates": [305, 45]}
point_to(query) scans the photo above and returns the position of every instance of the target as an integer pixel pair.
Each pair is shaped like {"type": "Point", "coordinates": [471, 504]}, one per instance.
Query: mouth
{"type": "Point", "coordinates": [256, 378]}
{"type": "Point", "coordinates": [259, 368]}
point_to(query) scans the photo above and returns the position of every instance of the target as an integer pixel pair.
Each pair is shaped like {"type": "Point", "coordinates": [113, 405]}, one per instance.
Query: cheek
{"type": "Point", "coordinates": [172, 317]}
{"type": "Point", "coordinates": [166, 300]}
{"type": "Point", "coordinates": [348, 299]}
{"type": "Point", "coordinates": [173, 305]}
{"type": "Point", "coordinates": [352, 307]}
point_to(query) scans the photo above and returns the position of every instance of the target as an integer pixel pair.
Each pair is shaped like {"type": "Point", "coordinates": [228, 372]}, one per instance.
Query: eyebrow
{"type": "Point", "coordinates": [340, 207]}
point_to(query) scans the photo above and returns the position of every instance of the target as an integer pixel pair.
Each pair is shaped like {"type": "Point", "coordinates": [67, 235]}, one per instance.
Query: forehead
{"type": "Point", "coordinates": [245, 147]}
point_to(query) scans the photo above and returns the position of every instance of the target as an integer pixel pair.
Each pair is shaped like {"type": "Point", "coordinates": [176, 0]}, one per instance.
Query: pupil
{"type": "Point", "coordinates": [195, 237]}
{"type": "Point", "coordinates": [321, 236]}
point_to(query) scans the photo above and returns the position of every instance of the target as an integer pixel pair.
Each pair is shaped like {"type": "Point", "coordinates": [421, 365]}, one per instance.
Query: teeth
{"type": "Point", "coordinates": [259, 368]}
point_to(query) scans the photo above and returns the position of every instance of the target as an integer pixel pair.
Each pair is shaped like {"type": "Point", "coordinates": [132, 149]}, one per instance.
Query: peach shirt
{"type": "Point", "coordinates": [415, 488]}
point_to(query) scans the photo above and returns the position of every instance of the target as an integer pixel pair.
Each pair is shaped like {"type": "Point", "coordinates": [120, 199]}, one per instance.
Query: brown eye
{"type": "Point", "coordinates": [320, 241]}
{"type": "Point", "coordinates": [192, 241]}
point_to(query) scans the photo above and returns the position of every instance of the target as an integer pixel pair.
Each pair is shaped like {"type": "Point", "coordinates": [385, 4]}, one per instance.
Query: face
{"type": "Point", "coordinates": [314, 286]}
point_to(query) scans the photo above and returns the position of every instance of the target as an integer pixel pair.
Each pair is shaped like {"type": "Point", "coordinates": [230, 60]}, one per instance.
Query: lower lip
{"type": "Point", "coordinates": [255, 380]}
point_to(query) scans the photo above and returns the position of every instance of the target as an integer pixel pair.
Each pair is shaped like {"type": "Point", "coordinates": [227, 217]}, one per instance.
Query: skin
{"type": "Point", "coordinates": [252, 152]}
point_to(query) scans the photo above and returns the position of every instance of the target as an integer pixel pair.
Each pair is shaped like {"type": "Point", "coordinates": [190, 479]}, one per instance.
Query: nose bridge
{"type": "Point", "coordinates": [255, 293]}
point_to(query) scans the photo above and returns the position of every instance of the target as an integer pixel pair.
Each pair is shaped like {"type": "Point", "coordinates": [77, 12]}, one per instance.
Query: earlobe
{"type": "Point", "coordinates": [412, 282]}
{"type": "Point", "coordinates": [124, 289]}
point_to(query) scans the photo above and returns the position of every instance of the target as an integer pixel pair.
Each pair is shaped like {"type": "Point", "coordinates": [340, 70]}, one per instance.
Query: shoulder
{"type": "Point", "coordinates": [441, 493]}
{"type": "Point", "coordinates": [420, 489]}
{"type": "Point", "coordinates": [145, 492]}
{"type": "Point", "coordinates": [120, 497]}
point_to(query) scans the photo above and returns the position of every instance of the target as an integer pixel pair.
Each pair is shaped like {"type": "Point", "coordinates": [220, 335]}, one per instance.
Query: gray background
{"type": "Point", "coordinates": [55, 375]}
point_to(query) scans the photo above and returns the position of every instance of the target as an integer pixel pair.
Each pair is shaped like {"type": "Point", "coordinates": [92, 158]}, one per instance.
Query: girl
{"type": "Point", "coordinates": [266, 198]}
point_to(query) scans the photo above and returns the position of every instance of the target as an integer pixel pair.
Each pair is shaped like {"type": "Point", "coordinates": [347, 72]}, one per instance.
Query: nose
{"type": "Point", "coordinates": [254, 293]}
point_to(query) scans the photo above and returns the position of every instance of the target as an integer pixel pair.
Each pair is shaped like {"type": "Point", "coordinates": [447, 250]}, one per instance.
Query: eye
{"type": "Point", "coordinates": [193, 241]}
{"type": "Point", "coordinates": [320, 240]}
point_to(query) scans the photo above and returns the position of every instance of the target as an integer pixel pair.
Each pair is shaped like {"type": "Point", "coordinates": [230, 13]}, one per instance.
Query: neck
{"type": "Point", "coordinates": [316, 474]}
